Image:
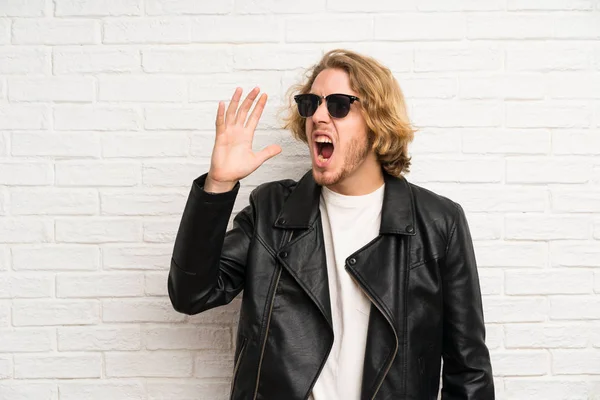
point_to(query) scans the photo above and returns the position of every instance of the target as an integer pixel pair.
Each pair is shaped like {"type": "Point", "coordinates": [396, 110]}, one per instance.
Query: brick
{"type": "Point", "coordinates": [85, 173]}
{"type": "Point", "coordinates": [549, 282]}
{"type": "Point", "coordinates": [574, 307]}
{"type": "Point", "coordinates": [171, 174]}
{"type": "Point", "coordinates": [576, 142]}
{"type": "Point", "coordinates": [96, 118]}
{"type": "Point", "coordinates": [26, 286]}
{"type": "Point", "coordinates": [570, 362]}
{"type": "Point", "coordinates": [522, 26]}
{"type": "Point", "coordinates": [485, 226]}
{"type": "Point", "coordinates": [273, 56]}
{"type": "Point", "coordinates": [132, 145]}
{"type": "Point", "coordinates": [51, 89]}
{"type": "Point", "coordinates": [26, 340]}
{"type": "Point", "coordinates": [597, 281]}
{"type": "Point", "coordinates": [184, 60]}
{"type": "Point", "coordinates": [546, 227]}
{"type": "Point", "coordinates": [188, 390]}
{"type": "Point", "coordinates": [577, 201]}
{"type": "Point", "coordinates": [439, 169]}
{"type": "Point", "coordinates": [58, 366]}
{"type": "Point", "coordinates": [545, 336]}
{"type": "Point", "coordinates": [15, 390]}
{"type": "Point", "coordinates": [24, 60]}
{"type": "Point", "coordinates": [185, 7]}
{"type": "Point", "coordinates": [435, 113]}
{"type": "Point", "coordinates": [506, 141]}
{"type": "Point", "coordinates": [547, 170]}
{"type": "Point", "coordinates": [437, 88]}
{"type": "Point", "coordinates": [257, 29]}
{"type": "Point", "coordinates": [520, 363]}
{"type": "Point", "coordinates": [97, 230]}
{"type": "Point", "coordinates": [307, 29]}
{"type": "Point", "coordinates": [507, 86]}
{"type": "Point", "coordinates": [143, 257]}
{"type": "Point", "coordinates": [160, 230]}
{"type": "Point", "coordinates": [494, 336]}
{"type": "Point", "coordinates": [121, 284]}
{"type": "Point", "coordinates": [548, 114]}
{"type": "Point", "coordinates": [54, 202]}
{"type": "Point", "coordinates": [213, 365]}
{"type": "Point", "coordinates": [30, 8]}
{"type": "Point", "coordinates": [100, 390]}
{"type": "Point", "coordinates": [515, 309]}
{"type": "Point", "coordinates": [395, 56]}
{"type": "Point", "coordinates": [368, 7]}
{"type": "Point", "coordinates": [461, 5]}
{"type": "Point", "coordinates": [55, 257]}
{"type": "Point", "coordinates": [187, 337]}
{"type": "Point", "coordinates": [215, 87]}
{"type": "Point", "coordinates": [100, 338]}
{"type": "Point", "coordinates": [6, 367]}
{"type": "Point", "coordinates": [55, 31]}
{"type": "Point", "coordinates": [141, 89]}
{"type": "Point", "coordinates": [25, 230]}
{"type": "Point", "coordinates": [95, 59]}
{"type": "Point", "coordinates": [140, 310]}
{"type": "Point", "coordinates": [26, 173]}
{"type": "Point", "coordinates": [77, 144]}
{"type": "Point", "coordinates": [547, 5]}
{"type": "Point", "coordinates": [547, 56]}
{"type": "Point", "coordinates": [4, 314]}
{"type": "Point", "coordinates": [55, 312]}
{"type": "Point", "coordinates": [5, 24]}
{"type": "Point", "coordinates": [4, 258]}
{"type": "Point", "coordinates": [511, 254]}
{"type": "Point", "coordinates": [20, 117]}
{"type": "Point", "coordinates": [575, 254]}
{"type": "Point", "coordinates": [577, 26]}
{"type": "Point", "coordinates": [156, 284]}
{"type": "Point", "coordinates": [573, 85]}
{"type": "Point", "coordinates": [473, 58]}
{"type": "Point", "coordinates": [147, 202]}
{"type": "Point", "coordinates": [180, 118]}
{"type": "Point", "coordinates": [3, 142]}
{"type": "Point", "coordinates": [409, 27]}
{"type": "Point", "coordinates": [146, 30]}
{"type": "Point", "coordinates": [552, 388]}
{"type": "Point", "coordinates": [97, 8]}
{"type": "Point", "coordinates": [436, 140]}
{"type": "Point", "coordinates": [156, 364]}
{"type": "Point", "coordinates": [491, 282]}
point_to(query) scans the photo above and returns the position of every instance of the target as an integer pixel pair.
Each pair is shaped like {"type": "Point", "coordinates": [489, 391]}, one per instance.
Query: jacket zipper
{"type": "Point", "coordinates": [262, 351]}
{"type": "Point", "coordinates": [237, 364]}
{"type": "Point", "coordinates": [389, 322]}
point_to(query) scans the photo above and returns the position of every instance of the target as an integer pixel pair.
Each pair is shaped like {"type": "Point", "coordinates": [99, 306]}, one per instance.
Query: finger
{"type": "Point", "coordinates": [220, 121]}
{"type": "Point", "coordinates": [233, 105]}
{"type": "Point", "coordinates": [268, 152]}
{"type": "Point", "coordinates": [257, 112]}
{"type": "Point", "coordinates": [245, 107]}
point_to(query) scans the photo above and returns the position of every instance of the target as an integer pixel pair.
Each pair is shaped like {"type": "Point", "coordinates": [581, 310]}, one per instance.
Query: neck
{"type": "Point", "coordinates": [367, 178]}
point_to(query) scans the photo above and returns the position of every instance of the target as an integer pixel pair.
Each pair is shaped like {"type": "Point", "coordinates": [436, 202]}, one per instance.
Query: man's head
{"type": "Point", "coordinates": [368, 127]}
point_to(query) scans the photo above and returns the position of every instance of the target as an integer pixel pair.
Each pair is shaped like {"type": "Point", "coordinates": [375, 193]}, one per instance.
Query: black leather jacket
{"type": "Point", "coordinates": [419, 273]}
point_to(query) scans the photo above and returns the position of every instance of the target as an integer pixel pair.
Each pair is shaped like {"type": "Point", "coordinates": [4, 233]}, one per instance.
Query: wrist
{"type": "Point", "coordinates": [211, 186]}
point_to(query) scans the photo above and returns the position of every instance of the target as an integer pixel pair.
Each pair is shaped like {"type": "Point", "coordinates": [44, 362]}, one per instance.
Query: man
{"type": "Point", "coordinates": [356, 282]}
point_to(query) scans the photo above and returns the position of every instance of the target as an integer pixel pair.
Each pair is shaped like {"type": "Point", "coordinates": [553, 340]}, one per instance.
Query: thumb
{"type": "Point", "coordinates": [268, 152]}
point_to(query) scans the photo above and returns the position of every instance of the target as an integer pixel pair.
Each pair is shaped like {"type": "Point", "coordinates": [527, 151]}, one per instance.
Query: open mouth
{"type": "Point", "coordinates": [324, 148]}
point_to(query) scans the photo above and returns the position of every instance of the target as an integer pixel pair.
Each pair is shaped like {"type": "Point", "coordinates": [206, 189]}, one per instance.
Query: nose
{"type": "Point", "coordinates": [321, 114]}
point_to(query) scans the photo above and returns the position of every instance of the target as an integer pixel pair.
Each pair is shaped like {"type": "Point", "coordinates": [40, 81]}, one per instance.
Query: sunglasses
{"type": "Point", "coordinates": [338, 105]}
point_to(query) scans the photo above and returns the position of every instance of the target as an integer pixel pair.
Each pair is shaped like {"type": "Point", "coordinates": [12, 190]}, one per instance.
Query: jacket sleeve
{"type": "Point", "coordinates": [208, 262]}
{"type": "Point", "coordinates": [467, 371]}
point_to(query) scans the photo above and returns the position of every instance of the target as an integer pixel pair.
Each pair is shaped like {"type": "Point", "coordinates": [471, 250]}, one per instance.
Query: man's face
{"type": "Point", "coordinates": [348, 135]}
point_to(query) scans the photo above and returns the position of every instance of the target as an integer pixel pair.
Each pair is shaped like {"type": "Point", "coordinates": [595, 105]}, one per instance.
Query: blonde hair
{"type": "Point", "coordinates": [381, 104]}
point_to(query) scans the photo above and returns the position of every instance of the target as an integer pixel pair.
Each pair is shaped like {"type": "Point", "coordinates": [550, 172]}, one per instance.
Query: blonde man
{"type": "Point", "coordinates": [357, 283]}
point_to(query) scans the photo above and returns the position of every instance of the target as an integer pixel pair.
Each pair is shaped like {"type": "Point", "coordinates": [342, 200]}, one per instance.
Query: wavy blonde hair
{"type": "Point", "coordinates": [381, 103]}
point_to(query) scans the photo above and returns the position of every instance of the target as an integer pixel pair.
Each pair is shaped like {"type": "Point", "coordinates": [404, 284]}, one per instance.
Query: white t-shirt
{"type": "Point", "coordinates": [349, 223]}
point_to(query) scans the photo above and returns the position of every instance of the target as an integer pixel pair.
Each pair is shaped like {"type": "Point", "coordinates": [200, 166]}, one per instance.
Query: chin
{"type": "Point", "coordinates": [326, 178]}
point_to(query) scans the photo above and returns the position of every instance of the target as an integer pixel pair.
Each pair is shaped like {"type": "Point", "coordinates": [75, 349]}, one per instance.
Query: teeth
{"type": "Point", "coordinates": [321, 158]}
{"type": "Point", "coordinates": [323, 139]}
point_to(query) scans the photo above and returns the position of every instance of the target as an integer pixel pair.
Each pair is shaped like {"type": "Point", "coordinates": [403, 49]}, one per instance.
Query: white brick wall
{"type": "Point", "coordinates": [107, 113]}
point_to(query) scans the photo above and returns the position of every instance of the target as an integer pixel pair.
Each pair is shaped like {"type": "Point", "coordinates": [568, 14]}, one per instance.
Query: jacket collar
{"type": "Point", "coordinates": [397, 215]}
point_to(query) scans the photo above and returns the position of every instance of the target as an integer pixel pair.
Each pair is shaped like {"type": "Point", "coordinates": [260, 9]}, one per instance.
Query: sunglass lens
{"type": "Point", "coordinates": [307, 104]}
{"type": "Point", "coordinates": [338, 106]}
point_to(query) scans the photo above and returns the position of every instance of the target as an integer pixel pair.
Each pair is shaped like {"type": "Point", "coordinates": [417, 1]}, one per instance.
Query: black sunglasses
{"type": "Point", "coordinates": [338, 104]}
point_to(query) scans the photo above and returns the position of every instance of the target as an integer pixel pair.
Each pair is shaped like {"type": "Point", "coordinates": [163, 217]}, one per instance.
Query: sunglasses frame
{"type": "Point", "coordinates": [350, 97]}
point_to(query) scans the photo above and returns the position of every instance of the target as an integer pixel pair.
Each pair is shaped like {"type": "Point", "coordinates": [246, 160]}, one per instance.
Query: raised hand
{"type": "Point", "coordinates": [232, 157]}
